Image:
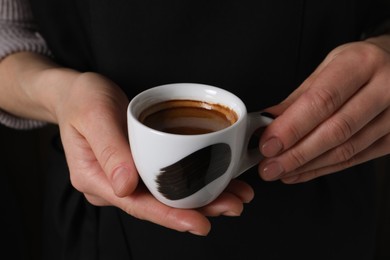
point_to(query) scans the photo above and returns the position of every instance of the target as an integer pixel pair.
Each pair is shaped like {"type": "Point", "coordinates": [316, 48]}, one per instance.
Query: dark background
{"type": "Point", "coordinates": [22, 158]}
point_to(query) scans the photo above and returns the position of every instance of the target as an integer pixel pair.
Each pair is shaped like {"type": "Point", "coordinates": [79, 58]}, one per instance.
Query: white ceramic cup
{"type": "Point", "coordinates": [190, 171]}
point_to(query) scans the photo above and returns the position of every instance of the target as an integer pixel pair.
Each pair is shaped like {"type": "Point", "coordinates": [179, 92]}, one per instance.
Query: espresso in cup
{"type": "Point", "coordinates": [188, 117]}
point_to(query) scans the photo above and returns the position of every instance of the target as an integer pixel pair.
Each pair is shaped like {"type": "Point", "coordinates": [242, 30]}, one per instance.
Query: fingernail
{"type": "Point", "coordinates": [272, 147]}
{"type": "Point", "coordinates": [248, 200]}
{"type": "Point", "coordinates": [120, 179]}
{"type": "Point", "coordinates": [194, 232]}
{"type": "Point", "coordinates": [272, 171]}
{"type": "Point", "coordinates": [291, 180]}
{"type": "Point", "coordinates": [231, 214]}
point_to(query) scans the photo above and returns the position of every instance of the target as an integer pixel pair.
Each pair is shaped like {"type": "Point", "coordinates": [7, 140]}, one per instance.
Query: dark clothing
{"type": "Point", "coordinates": [259, 50]}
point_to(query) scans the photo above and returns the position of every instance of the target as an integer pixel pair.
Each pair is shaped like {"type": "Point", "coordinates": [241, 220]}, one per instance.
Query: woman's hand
{"type": "Point", "coordinates": [91, 113]}
{"type": "Point", "coordinates": [92, 120]}
{"type": "Point", "coordinates": [339, 117]}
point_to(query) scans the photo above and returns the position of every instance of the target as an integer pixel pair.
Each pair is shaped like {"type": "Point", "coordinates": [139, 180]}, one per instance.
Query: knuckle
{"type": "Point", "coordinates": [297, 159]}
{"type": "Point", "coordinates": [349, 163]}
{"type": "Point", "coordinates": [368, 54]}
{"type": "Point", "coordinates": [386, 140]}
{"type": "Point", "coordinates": [94, 200]}
{"type": "Point", "coordinates": [323, 101]}
{"type": "Point", "coordinates": [315, 174]}
{"type": "Point", "coordinates": [340, 129]}
{"type": "Point", "coordinates": [81, 181]}
{"type": "Point", "coordinates": [77, 183]}
{"type": "Point", "coordinates": [295, 133]}
{"type": "Point", "coordinates": [345, 152]}
{"type": "Point", "coordinates": [106, 156]}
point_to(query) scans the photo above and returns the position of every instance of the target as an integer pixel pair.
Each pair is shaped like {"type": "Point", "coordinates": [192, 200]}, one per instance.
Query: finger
{"type": "Point", "coordinates": [96, 200]}
{"type": "Point", "coordinates": [378, 149]}
{"type": "Point", "coordinates": [105, 131]}
{"type": "Point", "coordinates": [241, 189]}
{"type": "Point", "coordinates": [230, 202]}
{"type": "Point", "coordinates": [226, 204]}
{"type": "Point", "coordinates": [362, 140]}
{"type": "Point", "coordinates": [112, 150]}
{"type": "Point", "coordinates": [323, 94]}
{"type": "Point", "coordinates": [92, 117]}
{"type": "Point", "coordinates": [142, 205]}
{"type": "Point", "coordinates": [365, 105]}
{"type": "Point", "coordinates": [362, 107]}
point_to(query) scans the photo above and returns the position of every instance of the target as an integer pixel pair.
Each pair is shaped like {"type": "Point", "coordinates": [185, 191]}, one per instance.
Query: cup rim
{"type": "Point", "coordinates": [136, 105]}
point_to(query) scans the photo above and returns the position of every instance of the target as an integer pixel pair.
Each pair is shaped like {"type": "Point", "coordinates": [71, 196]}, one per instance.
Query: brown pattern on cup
{"type": "Point", "coordinates": [195, 171]}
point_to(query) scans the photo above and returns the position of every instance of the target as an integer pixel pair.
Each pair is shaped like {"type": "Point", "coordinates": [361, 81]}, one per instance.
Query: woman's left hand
{"type": "Point", "coordinates": [339, 117]}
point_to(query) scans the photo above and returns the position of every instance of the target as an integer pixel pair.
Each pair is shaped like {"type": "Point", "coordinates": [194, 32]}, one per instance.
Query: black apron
{"type": "Point", "coordinates": [259, 50]}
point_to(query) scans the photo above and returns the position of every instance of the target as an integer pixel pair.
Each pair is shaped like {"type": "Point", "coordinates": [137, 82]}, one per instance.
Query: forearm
{"type": "Point", "coordinates": [32, 85]}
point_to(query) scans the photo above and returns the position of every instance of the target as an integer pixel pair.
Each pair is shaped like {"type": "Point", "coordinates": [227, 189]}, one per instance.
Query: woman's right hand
{"type": "Point", "coordinates": [91, 113]}
{"type": "Point", "coordinates": [92, 121]}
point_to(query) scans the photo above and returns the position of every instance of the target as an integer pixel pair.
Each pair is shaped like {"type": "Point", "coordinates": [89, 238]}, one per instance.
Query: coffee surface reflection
{"type": "Point", "coordinates": [188, 117]}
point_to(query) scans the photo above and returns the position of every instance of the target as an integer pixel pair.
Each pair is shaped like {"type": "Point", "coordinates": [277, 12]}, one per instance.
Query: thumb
{"type": "Point", "coordinates": [107, 136]}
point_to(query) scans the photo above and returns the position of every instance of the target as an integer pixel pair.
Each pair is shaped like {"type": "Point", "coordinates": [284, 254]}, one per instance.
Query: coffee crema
{"type": "Point", "coordinates": [188, 117]}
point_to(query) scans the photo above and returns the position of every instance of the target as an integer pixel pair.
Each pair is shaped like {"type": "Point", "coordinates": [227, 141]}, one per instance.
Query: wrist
{"type": "Point", "coordinates": [51, 86]}
{"type": "Point", "coordinates": [34, 86]}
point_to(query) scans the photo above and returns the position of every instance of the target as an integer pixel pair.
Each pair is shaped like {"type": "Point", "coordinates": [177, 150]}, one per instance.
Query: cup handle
{"type": "Point", "coordinates": [257, 121]}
